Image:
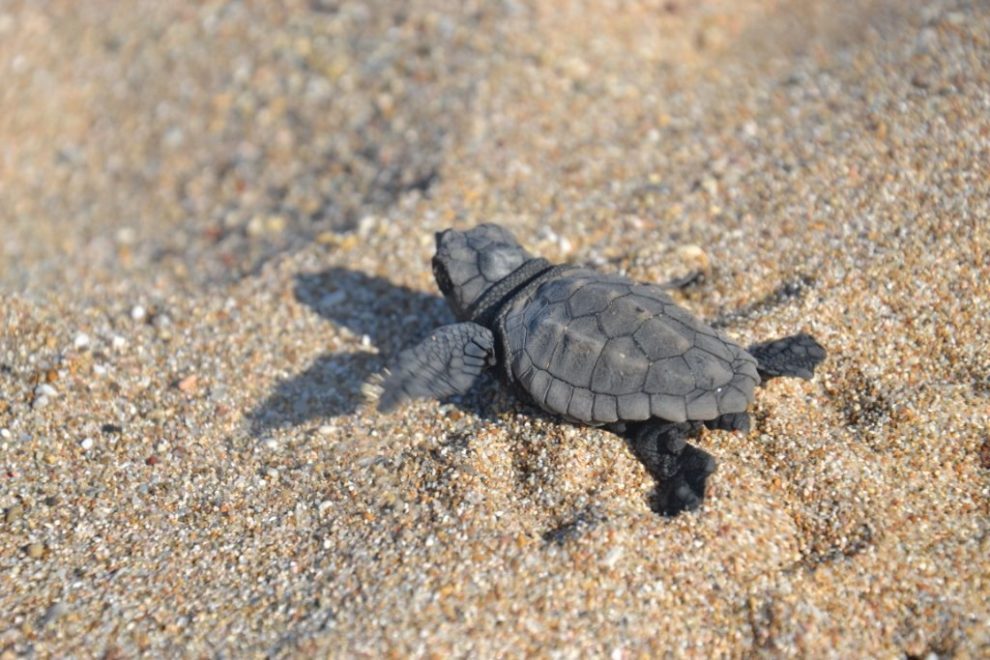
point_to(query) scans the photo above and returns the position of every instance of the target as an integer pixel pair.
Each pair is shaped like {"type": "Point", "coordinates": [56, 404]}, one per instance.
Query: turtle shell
{"type": "Point", "coordinates": [601, 348]}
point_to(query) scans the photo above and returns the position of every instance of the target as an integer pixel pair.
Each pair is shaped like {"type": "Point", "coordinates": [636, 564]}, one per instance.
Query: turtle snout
{"type": "Point", "coordinates": [439, 237]}
{"type": "Point", "coordinates": [448, 238]}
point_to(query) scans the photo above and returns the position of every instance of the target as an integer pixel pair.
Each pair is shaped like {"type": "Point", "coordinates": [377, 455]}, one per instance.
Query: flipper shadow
{"type": "Point", "coordinates": [369, 307]}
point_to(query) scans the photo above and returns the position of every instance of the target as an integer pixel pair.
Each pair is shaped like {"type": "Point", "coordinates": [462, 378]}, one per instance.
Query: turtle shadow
{"type": "Point", "coordinates": [371, 308]}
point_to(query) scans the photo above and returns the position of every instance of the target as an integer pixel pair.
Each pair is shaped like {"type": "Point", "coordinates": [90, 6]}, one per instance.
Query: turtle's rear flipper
{"type": "Point", "coordinates": [730, 422]}
{"type": "Point", "coordinates": [445, 363]}
{"type": "Point", "coordinates": [797, 355]}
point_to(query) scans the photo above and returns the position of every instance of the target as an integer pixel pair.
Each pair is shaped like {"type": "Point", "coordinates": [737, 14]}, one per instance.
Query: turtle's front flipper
{"type": "Point", "coordinates": [797, 355]}
{"type": "Point", "coordinates": [679, 468]}
{"type": "Point", "coordinates": [445, 363]}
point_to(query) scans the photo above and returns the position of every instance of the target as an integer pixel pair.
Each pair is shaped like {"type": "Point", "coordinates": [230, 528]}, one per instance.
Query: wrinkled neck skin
{"type": "Point", "coordinates": [484, 310]}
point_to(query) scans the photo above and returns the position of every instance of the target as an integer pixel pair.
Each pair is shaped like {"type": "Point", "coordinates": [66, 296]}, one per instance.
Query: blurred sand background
{"type": "Point", "coordinates": [216, 220]}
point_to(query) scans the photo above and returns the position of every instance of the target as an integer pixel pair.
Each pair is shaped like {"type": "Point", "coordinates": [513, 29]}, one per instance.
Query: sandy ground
{"type": "Point", "coordinates": [215, 224]}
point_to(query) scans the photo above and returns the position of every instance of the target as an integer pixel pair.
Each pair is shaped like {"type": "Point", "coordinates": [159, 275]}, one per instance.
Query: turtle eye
{"type": "Point", "coordinates": [442, 276]}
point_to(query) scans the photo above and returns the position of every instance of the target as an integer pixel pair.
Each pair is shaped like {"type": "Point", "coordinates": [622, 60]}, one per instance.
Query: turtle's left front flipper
{"type": "Point", "coordinates": [445, 363]}
{"type": "Point", "coordinates": [797, 355]}
{"type": "Point", "coordinates": [681, 469]}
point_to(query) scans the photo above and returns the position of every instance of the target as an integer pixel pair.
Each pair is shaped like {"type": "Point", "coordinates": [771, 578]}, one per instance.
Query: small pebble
{"type": "Point", "coordinates": [188, 384]}
{"type": "Point", "coordinates": [45, 390]}
{"type": "Point", "coordinates": [15, 512]}
{"type": "Point", "coordinates": [138, 313]}
{"type": "Point", "coordinates": [86, 444]}
{"type": "Point", "coordinates": [612, 557]}
{"type": "Point", "coordinates": [52, 614]}
{"type": "Point", "coordinates": [35, 550]}
{"type": "Point", "coordinates": [81, 341]}
{"type": "Point", "coordinates": [126, 235]}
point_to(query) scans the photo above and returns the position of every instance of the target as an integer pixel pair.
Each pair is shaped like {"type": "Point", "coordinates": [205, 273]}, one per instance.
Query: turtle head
{"type": "Point", "coordinates": [468, 263]}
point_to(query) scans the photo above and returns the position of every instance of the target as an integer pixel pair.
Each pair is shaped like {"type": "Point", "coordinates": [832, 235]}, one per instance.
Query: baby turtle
{"type": "Point", "coordinates": [593, 348]}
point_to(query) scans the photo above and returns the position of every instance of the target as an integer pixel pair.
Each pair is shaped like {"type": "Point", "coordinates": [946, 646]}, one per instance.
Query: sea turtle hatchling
{"type": "Point", "coordinates": [593, 348]}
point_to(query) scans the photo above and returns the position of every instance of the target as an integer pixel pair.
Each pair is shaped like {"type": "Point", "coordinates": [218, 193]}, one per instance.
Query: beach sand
{"type": "Point", "coordinates": [216, 221]}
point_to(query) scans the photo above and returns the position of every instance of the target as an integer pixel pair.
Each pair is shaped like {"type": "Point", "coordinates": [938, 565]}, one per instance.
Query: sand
{"type": "Point", "coordinates": [216, 221]}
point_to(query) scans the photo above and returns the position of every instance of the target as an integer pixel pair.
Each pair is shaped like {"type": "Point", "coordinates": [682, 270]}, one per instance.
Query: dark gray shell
{"type": "Point", "coordinates": [600, 348]}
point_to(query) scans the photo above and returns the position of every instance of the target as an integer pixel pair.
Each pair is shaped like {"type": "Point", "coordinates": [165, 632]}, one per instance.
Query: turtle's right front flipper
{"type": "Point", "coordinates": [445, 363]}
